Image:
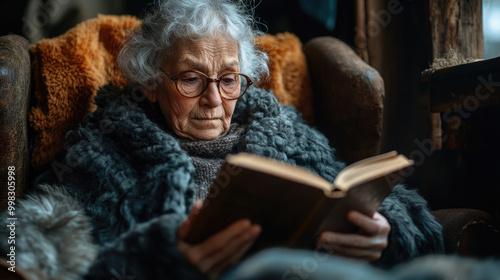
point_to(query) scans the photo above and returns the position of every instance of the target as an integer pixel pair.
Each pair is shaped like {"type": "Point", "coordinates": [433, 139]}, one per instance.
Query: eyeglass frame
{"type": "Point", "coordinates": [209, 80]}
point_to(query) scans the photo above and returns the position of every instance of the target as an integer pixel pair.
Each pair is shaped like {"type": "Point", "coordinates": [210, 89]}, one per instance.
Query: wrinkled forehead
{"type": "Point", "coordinates": [205, 54]}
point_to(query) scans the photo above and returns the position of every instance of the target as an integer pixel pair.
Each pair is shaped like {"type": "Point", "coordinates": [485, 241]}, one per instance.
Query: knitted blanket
{"type": "Point", "coordinates": [137, 185]}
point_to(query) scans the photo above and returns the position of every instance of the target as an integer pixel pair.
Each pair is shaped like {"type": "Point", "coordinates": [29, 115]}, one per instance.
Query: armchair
{"type": "Point", "coordinates": [347, 107]}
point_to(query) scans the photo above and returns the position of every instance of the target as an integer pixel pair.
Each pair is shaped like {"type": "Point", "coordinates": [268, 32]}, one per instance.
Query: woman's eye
{"type": "Point", "coordinates": [190, 80]}
{"type": "Point", "coordinates": [228, 81]}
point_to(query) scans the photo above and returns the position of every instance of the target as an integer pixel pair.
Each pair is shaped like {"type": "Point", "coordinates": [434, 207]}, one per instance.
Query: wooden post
{"type": "Point", "coordinates": [456, 24]}
{"type": "Point", "coordinates": [361, 37]}
{"type": "Point", "coordinates": [453, 25]}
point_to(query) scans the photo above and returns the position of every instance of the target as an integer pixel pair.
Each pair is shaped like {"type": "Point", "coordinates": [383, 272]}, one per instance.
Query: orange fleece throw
{"type": "Point", "coordinates": [69, 69]}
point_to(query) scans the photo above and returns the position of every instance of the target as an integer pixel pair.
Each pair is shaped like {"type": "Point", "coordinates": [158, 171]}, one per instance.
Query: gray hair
{"type": "Point", "coordinates": [176, 20]}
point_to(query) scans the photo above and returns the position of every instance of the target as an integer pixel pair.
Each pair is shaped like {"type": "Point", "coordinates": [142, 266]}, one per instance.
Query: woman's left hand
{"type": "Point", "coordinates": [367, 244]}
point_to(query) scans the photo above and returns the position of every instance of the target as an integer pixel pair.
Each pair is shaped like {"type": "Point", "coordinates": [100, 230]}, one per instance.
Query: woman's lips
{"type": "Point", "coordinates": [207, 119]}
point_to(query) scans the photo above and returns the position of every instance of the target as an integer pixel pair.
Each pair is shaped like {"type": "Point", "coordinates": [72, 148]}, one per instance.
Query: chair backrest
{"type": "Point", "coordinates": [348, 98]}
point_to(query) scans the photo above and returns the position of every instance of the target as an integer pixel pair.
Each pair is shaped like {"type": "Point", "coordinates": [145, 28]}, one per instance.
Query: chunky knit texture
{"type": "Point", "coordinates": [208, 157]}
{"type": "Point", "coordinates": [137, 183]}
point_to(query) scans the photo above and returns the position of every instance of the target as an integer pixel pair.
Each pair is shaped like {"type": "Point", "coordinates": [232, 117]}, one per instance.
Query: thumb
{"type": "Point", "coordinates": [186, 226]}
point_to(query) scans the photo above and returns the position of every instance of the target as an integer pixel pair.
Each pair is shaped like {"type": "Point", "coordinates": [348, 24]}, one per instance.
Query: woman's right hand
{"type": "Point", "coordinates": [220, 251]}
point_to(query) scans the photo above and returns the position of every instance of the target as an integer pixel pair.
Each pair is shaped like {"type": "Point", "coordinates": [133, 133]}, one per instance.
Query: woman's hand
{"type": "Point", "coordinates": [221, 250]}
{"type": "Point", "coordinates": [367, 245]}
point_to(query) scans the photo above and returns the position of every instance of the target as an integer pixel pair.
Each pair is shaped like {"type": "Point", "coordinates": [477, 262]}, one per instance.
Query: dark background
{"type": "Point", "coordinates": [275, 16]}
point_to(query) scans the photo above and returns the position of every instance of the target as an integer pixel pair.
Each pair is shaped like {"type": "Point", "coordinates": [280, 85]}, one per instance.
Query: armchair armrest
{"type": "Point", "coordinates": [15, 77]}
{"type": "Point", "coordinates": [6, 274]}
{"type": "Point", "coordinates": [348, 98]}
{"type": "Point", "coordinates": [469, 232]}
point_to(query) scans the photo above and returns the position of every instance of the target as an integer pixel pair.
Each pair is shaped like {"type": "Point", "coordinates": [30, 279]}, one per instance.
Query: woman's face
{"type": "Point", "coordinates": [207, 116]}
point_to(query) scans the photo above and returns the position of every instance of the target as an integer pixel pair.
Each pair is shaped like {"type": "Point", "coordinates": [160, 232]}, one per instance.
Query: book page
{"type": "Point", "coordinates": [370, 169]}
{"type": "Point", "coordinates": [280, 169]}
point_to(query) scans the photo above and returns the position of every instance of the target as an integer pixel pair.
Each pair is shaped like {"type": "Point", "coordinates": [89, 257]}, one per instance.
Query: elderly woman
{"type": "Point", "coordinates": [192, 67]}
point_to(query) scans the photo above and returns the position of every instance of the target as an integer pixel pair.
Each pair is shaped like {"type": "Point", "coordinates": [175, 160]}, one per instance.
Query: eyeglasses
{"type": "Point", "coordinates": [193, 83]}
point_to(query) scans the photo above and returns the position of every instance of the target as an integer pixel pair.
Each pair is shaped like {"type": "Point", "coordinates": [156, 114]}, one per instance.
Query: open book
{"type": "Point", "coordinates": [292, 204]}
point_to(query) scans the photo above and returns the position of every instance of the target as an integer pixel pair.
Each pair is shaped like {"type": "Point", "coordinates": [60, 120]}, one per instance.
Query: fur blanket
{"type": "Point", "coordinates": [136, 184]}
{"type": "Point", "coordinates": [69, 69]}
{"type": "Point", "coordinates": [52, 238]}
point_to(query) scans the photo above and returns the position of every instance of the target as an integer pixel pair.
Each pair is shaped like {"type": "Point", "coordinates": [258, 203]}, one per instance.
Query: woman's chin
{"type": "Point", "coordinates": [204, 135]}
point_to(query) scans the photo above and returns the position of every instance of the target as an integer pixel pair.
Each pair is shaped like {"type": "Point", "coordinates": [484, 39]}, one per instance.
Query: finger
{"type": "Point", "coordinates": [351, 246]}
{"type": "Point", "coordinates": [198, 204]}
{"type": "Point", "coordinates": [183, 246]}
{"type": "Point", "coordinates": [224, 265]}
{"type": "Point", "coordinates": [332, 239]}
{"type": "Point", "coordinates": [364, 222]}
{"type": "Point", "coordinates": [328, 247]}
{"type": "Point", "coordinates": [218, 241]}
{"type": "Point", "coordinates": [254, 234]}
{"type": "Point", "coordinates": [369, 226]}
{"type": "Point", "coordinates": [379, 217]}
{"type": "Point", "coordinates": [186, 226]}
{"type": "Point", "coordinates": [231, 252]}
{"type": "Point", "coordinates": [235, 257]}
{"type": "Point", "coordinates": [344, 239]}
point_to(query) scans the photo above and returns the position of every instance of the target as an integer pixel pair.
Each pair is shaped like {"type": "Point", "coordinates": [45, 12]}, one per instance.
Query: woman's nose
{"type": "Point", "coordinates": [211, 97]}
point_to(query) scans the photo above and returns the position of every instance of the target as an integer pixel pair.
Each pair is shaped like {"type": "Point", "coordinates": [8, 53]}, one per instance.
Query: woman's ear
{"type": "Point", "coordinates": [151, 95]}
